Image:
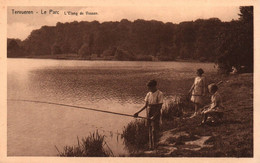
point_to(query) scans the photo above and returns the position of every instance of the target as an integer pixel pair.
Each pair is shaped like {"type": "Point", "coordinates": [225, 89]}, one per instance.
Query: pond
{"type": "Point", "coordinates": [34, 129]}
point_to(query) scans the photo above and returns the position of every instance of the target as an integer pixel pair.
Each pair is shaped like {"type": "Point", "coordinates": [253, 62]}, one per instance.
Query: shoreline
{"type": "Point", "coordinates": [233, 137]}
{"type": "Point", "coordinates": [80, 59]}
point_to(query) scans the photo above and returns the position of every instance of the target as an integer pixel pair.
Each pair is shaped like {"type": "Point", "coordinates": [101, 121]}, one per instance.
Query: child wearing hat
{"type": "Point", "coordinates": [153, 105]}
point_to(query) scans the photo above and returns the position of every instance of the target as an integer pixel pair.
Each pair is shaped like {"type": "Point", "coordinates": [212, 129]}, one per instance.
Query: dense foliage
{"type": "Point", "coordinates": [235, 43]}
{"type": "Point", "coordinates": [227, 43]}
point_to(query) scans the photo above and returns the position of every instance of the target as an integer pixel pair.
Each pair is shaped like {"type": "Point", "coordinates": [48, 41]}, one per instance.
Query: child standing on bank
{"type": "Point", "coordinates": [153, 105]}
{"type": "Point", "coordinates": [197, 91]}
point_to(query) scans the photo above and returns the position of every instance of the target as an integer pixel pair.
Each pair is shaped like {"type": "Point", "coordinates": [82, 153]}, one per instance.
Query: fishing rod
{"type": "Point", "coordinates": [79, 107]}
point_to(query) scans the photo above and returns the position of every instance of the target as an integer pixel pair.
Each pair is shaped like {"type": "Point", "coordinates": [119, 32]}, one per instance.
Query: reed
{"type": "Point", "coordinates": [135, 135]}
{"type": "Point", "coordinates": [92, 146]}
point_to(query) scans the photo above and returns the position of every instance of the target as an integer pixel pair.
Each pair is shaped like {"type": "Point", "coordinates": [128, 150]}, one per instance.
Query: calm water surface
{"type": "Point", "coordinates": [34, 129]}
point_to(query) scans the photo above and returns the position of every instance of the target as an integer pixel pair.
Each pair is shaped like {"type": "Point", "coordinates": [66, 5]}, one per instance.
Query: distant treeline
{"type": "Point", "coordinates": [226, 43]}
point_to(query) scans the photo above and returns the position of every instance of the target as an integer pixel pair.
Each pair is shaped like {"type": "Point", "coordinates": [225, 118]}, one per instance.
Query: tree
{"type": "Point", "coordinates": [236, 43]}
{"type": "Point", "coordinates": [206, 32]}
{"type": "Point", "coordinates": [13, 49]}
{"type": "Point", "coordinates": [123, 55]}
{"type": "Point", "coordinates": [205, 40]}
{"type": "Point", "coordinates": [84, 51]}
{"type": "Point", "coordinates": [165, 54]}
{"type": "Point", "coordinates": [65, 48]}
{"type": "Point", "coordinates": [40, 41]}
{"type": "Point", "coordinates": [55, 49]}
{"type": "Point", "coordinates": [246, 14]}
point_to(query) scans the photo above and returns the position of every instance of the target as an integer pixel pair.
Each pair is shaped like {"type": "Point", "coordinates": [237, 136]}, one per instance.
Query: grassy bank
{"type": "Point", "coordinates": [232, 137]}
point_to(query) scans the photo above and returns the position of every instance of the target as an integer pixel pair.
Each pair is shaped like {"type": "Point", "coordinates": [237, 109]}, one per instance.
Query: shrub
{"type": "Point", "coordinates": [109, 52]}
{"type": "Point", "coordinates": [143, 58]}
{"type": "Point", "coordinates": [174, 107]}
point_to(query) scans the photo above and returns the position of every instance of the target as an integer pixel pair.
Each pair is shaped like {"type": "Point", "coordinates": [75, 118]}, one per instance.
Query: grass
{"type": "Point", "coordinates": [234, 136]}
{"type": "Point", "coordinates": [91, 146]}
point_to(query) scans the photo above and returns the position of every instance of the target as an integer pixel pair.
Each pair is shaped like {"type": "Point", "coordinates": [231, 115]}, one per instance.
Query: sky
{"type": "Point", "coordinates": [20, 25]}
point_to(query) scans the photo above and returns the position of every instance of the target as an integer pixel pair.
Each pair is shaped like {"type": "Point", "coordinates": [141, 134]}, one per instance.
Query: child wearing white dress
{"type": "Point", "coordinates": [216, 107]}
{"type": "Point", "coordinates": [197, 91]}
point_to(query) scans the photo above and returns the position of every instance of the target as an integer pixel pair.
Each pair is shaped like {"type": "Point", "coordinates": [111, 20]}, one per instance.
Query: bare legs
{"type": "Point", "coordinates": [153, 132]}
{"type": "Point", "coordinates": [196, 106]}
{"type": "Point", "coordinates": [204, 117]}
{"type": "Point", "coordinates": [196, 109]}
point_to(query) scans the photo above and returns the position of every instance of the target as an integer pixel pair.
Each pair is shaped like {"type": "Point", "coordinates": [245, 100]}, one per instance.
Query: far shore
{"type": "Point", "coordinates": [70, 57]}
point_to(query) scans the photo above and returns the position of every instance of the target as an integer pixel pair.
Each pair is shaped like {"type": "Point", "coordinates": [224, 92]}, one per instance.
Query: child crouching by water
{"type": "Point", "coordinates": [153, 105]}
{"type": "Point", "coordinates": [216, 107]}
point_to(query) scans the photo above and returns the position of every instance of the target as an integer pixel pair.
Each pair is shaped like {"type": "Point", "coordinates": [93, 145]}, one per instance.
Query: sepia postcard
{"type": "Point", "coordinates": [113, 81]}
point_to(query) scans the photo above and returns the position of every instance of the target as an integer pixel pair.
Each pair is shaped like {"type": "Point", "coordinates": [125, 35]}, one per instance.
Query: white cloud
{"type": "Point", "coordinates": [20, 30]}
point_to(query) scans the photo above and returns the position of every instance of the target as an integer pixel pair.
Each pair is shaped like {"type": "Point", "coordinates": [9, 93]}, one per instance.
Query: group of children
{"type": "Point", "coordinates": [154, 101]}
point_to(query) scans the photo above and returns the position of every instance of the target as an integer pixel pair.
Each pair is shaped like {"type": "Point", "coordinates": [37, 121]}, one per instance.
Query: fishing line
{"type": "Point", "coordinates": [79, 107]}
